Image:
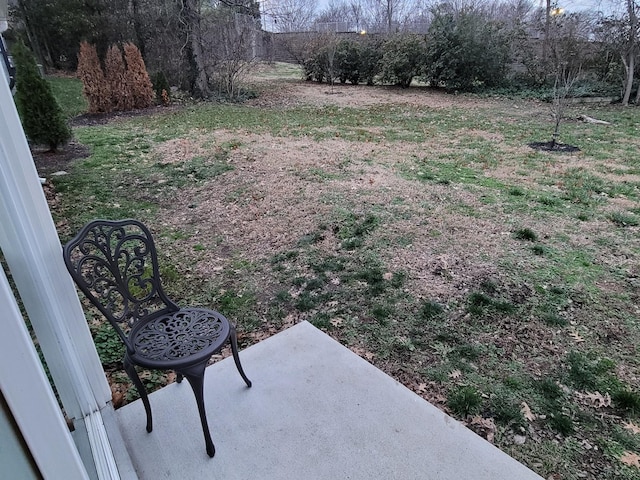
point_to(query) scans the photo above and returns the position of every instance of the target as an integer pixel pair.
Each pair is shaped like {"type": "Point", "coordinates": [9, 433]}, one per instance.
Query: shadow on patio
{"type": "Point", "coordinates": [316, 411]}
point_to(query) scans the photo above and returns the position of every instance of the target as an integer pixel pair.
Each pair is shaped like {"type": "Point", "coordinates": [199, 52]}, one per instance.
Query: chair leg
{"type": "Point", "coordinates": [133, 375]}
{"type": "Point", "coordinates": [236, 357]}
{"type": "Point", "coordinates": [195, 377]}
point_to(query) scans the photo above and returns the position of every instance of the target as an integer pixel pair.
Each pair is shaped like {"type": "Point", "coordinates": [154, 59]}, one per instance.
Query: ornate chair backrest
{"type": "Point", "coordinates": [114, 263]}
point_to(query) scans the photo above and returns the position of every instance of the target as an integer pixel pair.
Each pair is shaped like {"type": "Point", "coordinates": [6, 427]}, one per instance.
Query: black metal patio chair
{"type": "Point", "coordinates": [115, 264]}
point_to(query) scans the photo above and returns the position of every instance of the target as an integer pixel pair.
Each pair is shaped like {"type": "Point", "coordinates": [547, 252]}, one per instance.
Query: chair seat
{"type": "Point", "coordinates": [178, 339]}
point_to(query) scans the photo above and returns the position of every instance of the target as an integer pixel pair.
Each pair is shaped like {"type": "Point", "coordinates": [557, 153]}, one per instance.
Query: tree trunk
{"type": "Point", "coordinates": [137, 27]}
{"type": "Point", "coordinates": [191, 18]}
{"type": "Point", "coordinates": [632, 48]}
{"type": "Point", "coordinates": [34, 39]}
{"type": "Point", "coordinates": [547, 31]}
{"type": "Point", "coordinates": [629, 66]}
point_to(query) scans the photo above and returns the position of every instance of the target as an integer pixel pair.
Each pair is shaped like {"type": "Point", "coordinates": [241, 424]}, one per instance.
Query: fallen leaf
{"type": "Point", "coordinates": [576, 337]}
{"type": "Point", "coordinates": [361, 352]}
{"type": "Point", "coordinates": [595, 399]}
{"type": "Point", "coordinates": [388, 276]}
{"type": "Point", "coordinates": [117, 398]}
{"type": "Point", "coordinates": [632, 427]}
{"type": "Point", "coordinates": [422, 388]}
{"type": "Point", "coordinates": [455, 374]}
{"type": "Point", "coordinates": [336, 322]}
{"type": "Point", "coordinates": [484, 426]}
{"type": "Point", "coordinates": [526, 412]}
{"type": "Point", "coordinates": [631, 459]}
{"type": "Point", "coordinates": [289, 320]}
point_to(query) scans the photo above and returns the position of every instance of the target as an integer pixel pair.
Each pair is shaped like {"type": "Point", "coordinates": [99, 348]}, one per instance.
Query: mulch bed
{"type": "Point", "coordinates": [553, 147]}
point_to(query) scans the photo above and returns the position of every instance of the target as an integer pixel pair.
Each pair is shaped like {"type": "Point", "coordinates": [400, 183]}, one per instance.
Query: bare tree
{"type": "Point", "coordinates": [565, 79]}
{"type": "Point", "coordinates": [388, 15]}
{"type": "Point", "coordinates": [230, 48]}
{"type": "Point", "coordinates": [356, 15]}
{"type": "Point", "coordinates": [291, 15]}
{"type": "Point", "coordinates": [620, 33]}
{"type": "Point", "coordinates": [335, 11]}
{"type": "Point", "coordinates": [217, 41]}
{"type": "Point", "coordinates": [567, 36]}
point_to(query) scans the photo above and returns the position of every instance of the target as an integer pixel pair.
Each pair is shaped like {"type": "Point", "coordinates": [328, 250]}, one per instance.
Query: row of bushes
{"type": "Point", "coordinates": [398, 60]}
{"type": "Point", "coordinates": [462, 51]}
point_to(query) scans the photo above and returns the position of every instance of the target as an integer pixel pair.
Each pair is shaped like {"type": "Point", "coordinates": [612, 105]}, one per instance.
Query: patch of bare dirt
{"type": "Point", "coordinates": [358, 96]}
{"type": "Point", "coordinates": [48, 162]}
{"type": "Point", "coordinates": [282, 188]}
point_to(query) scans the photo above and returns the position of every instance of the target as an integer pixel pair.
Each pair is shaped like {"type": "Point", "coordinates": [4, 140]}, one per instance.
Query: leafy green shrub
{"type": "Point", "coordinates": [466, 50]}
{"type": "Point", "coordinates": [347, 61]}
{"type": "Point", "coordinates": [315, 66]}
{"type": "Point", "coordinates": [370, 61]}
{"type": "Point", "coordinates": [40, 114]}
{"type": "Point", "coordinates": [403, 58]}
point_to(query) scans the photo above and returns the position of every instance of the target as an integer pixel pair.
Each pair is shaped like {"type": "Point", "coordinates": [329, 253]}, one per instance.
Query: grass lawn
{"type": "Point", "coordinates": [420, 230]}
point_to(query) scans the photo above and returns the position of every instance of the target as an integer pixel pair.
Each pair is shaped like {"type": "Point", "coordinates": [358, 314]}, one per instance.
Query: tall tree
{"type": "Point", "coordinates": [55, 28]}
{"type": "Point", "coordinates": [620, 34]}
{"type": "Point", "coordinates": [191, 18]}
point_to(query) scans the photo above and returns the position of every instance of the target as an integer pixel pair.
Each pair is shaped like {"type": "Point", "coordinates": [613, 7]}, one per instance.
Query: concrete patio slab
{"type": "Point", "coordinates": [315, 411]}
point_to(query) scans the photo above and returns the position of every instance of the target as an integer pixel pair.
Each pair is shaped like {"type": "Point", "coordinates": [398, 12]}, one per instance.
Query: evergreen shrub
{"type": "Point", "coordinates": [116, 74]}
{"type": "Point", "coordinates": [94, 84]}
{"type": "Point", "coordinates": [40, 114]}
{"type": "Point", "coordinates": [138, 78]}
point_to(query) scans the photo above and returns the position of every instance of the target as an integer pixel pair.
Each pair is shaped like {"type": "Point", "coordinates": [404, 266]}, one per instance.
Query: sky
{"type": "Point", "coordinates": [570, 5]}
